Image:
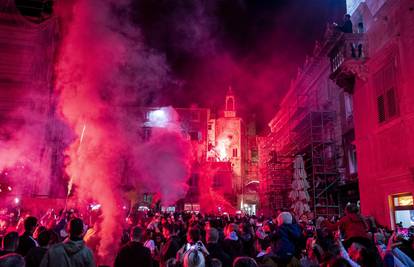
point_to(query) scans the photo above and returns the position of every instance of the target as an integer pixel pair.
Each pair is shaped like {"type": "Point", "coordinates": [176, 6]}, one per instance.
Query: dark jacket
{"type": "Point", "coordinates": [234, 248]}
{"type": "Point", "coordinates": [35, 256]}
{"type": "Point", "coordinates": [216, 251]}
{"type": "Point", "coordinates": [248, 244]}
{"type": "Point", "coordinates": [133, 254]}
{"type": "Point", "coordinates": [169, 250]}
{"type": "Point", "coordinates": [26, 242]}
{"type": "Point", "coordinates": [70, 253]}
{"type": "Point", "coordinates": [351, 225]}
{"type": "Point", "coordinates": [285, 238]}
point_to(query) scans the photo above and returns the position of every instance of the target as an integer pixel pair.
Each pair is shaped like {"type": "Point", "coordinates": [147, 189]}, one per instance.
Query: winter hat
{"type": "Point", "coordinates": [284, 217]}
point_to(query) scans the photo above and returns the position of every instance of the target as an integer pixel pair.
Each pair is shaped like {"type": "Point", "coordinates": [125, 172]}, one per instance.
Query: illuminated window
{"type": "Point", "coordinates": [403, 209]}
{"type": "Point", "coordinates": [403, 200]}
{"type": "Point", "coordinates": [196, 207]}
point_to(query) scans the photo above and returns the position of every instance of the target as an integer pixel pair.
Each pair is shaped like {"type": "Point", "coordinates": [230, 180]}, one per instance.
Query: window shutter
{"type": "Point", "coordinates": [381, 108]}
{"type": "Point", "coordinates": [379, 91]}
{"type": "Point", "coordinates": [385, 91]}
{"type": "Point", "coordinates": [391, 103]}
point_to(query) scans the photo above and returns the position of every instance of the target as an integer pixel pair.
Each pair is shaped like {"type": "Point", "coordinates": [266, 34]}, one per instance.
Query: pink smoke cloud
{"type": "Point", "coordinates": [103, 70]}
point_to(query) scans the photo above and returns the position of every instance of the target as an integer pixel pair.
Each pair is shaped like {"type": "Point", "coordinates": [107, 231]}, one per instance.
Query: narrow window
{"type": "Point", "coordinates": [234, 152]}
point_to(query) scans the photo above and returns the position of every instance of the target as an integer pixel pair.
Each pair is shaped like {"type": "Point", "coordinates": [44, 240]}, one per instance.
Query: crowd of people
{"type": "Point", "coordinates": [198, 240]}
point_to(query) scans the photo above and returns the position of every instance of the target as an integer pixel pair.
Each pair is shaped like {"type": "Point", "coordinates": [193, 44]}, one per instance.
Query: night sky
{"type": "Point", "coordinates": [254, 45]}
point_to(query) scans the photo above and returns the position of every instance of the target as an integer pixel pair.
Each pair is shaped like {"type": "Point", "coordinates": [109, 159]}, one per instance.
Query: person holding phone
{"type": "Point", "coordinates": [405, 248]}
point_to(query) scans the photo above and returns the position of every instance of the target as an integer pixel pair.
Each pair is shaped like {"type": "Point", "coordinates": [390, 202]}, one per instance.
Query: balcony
{"type": "Point", "coordinates": [348, 57]}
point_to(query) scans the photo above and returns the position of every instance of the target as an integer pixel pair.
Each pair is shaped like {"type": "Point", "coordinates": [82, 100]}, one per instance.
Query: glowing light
{"type": "Point", "coordinates": [9, 188]}
{"type": "Point", "coordinates": [70, 184]}
{"type": "Point", "coordinates": [83, 132]}
{"type": "Point", "coordinates": [158, 118]}
{"type": "Point", "coordinates": [16, 200]}
{"type": "Point", "coordinates": [222, 147]}
{"type": "Point", "coordinates": [405, 200]}
{"type": "Point", "coordinates": [95, 206]}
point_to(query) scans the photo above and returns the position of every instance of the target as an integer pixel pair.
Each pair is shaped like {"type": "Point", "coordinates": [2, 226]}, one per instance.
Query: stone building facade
{"type": "Point", "coordinates": [314, 120]}
{"type": "Point", "coordinates": [380, 82]}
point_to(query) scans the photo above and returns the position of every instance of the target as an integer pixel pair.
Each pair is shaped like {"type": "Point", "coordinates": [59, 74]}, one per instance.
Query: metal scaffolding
{"type": "Point", "coordinates": [304, 129]}
{"type": "Point", "coordinates": [277, 181]}
{"type": "Point", "coordinates": [315, 139]}
{"type": "Point", "coordinates": [306, 124]}
{"type": "Point", "coordinates": [276, 168]}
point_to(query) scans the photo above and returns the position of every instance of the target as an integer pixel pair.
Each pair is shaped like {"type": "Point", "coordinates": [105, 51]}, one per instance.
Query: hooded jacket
{"type": "Point", "coordinates": [285, 238]}
{"type": "Point", "coordinates": [70, 253]}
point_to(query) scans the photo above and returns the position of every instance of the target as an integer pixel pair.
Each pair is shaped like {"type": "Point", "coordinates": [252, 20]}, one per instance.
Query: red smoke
{"type": "Point", "coordinates": [212, 200]}
{"type": "Point", "coordinates": [163, 162]}
{"type": "Point", "coordinates": [103, 72]}
{"type": "Point", "coordinates": [88, 58]}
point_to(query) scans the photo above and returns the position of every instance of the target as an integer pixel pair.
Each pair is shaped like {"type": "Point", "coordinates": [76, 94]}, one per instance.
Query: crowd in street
{"type": "Point", "coordinates": [198, 240]}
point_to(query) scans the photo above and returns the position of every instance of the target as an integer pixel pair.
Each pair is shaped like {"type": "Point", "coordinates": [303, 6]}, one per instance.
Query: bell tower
{"type": "Point", "coordinates": [230, 107]}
